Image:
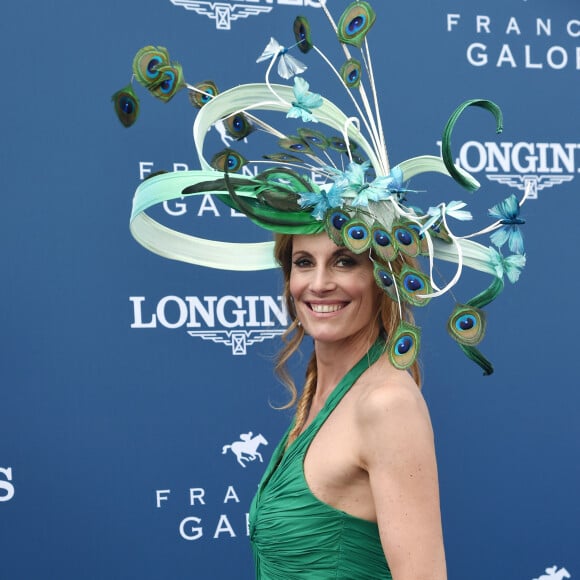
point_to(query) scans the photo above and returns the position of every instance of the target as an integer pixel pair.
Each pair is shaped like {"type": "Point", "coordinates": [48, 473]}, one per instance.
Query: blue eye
{"type": "Point", "coordinates": [413, 283]}
{"type": "Point", "coordinates": [152, 66]}
{"type": "Point", "coordinates": [415, 286]}
{"type": "Point", "coordinates": [466, 322]}
{"type": "Point", "coordinates": [385, 278]}
{"type": "Point", "coordinates": [404, 237]}
{"type": "Point", "coordinates": [356, 24]}
{"type": "Point", "coordinates": [404, 345]}
{"type": "Point", "coordinates": [357, 233]}
{"type": "Point", "coordinates": [382, 238]}
{"type": "Point", "coordinates": [338, 220]}
{"type": "Point", "coordinates": [168, 82]}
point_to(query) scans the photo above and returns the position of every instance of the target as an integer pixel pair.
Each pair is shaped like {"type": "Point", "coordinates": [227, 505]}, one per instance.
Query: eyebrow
{"type": "Point", "coordinates": [341, 251]}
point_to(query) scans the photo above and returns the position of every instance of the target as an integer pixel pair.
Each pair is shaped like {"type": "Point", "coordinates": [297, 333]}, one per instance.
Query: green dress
{"type": "Point", "coordinates": [296, 536]}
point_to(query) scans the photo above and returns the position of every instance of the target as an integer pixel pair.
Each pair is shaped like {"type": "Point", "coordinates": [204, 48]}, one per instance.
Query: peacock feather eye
{"type": "Point", "coordinates": [313, 138]}
{"type": "Point", "coordinates": [351, 72]}
{"type": "Point", "coordinates": [168, 83]}
{"type": "Point", "coordinates": [356, 236]}
{"type": "Point", "coordinates": [413, 284]}
{"type": "Point", "coordinates": [339, 144]}
{"type": "Point", "coordinates": [406, 238]}
{"type": "Point", "coordinates": [385, 280]}
{"type": "Point", "coordinates": [421, 236]}
{"type": "Point", "coordinates": [238, 126]}
{"type": "Point", "coordinates": [355, 22]}
{"type": "Point", "coordinates": [383, 245]}
{"type": "Point", "coordinates": [295, 145]}
{"type": "Point", "coordinates": [126, 105]}
{"type": "Point", "coordinates": [403, 345]}
{"type": "Point", "coordinates": [205, 92]}
{"type": "Point", "coordinates": [466, 324]}
{"type": "Point", "coordinates": [283, 158]}
{"type": "Point", "coordinates": [357, 159]}
{"type": "Point", "coordinates": [440, 232]}
{"type": "Point", "coordinates": [302, 33]}
{"type": "Point", "coordinates": [335, 220]}
{"type": "Point", "coordinates": [228, 160]}
{"type": "Point", "coordinates": [147, 62]}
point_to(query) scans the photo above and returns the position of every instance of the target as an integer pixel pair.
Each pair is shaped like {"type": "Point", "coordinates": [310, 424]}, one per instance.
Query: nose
{"type": "Point", "coordinates": [322, 281]}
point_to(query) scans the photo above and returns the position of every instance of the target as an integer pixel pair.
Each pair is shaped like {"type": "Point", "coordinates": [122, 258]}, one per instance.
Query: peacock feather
{"type": "Point", "coordinates": [403, 345]}
{"type": "Point", "coordinates": [313, 137]}
{"type": "Point", "coordinates": [356, 236]}
{"type": "Point", "coordinates": [228, 160]}
{"type": "Point", "coordinates": [238, 126]}
{"type": "Point", "coordinates": [201, 93]}
{"type": "Point", "coordinates": [302, 34]}
{"type": "Point", "coordinates": [355, 22]}
{"type": "Point", "coordinates": [351, 72]}
{"type": "Point", "coordinates": [126, 105]}
{"type": "Point", "coordinates": [170, 80]}
{"type": "Point", "coordinates": [147, 62]}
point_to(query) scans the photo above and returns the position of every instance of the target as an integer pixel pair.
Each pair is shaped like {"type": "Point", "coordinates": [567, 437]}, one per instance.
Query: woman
{"type": "Point", "coordinates": [353, 485]}
{"type": "Point", "coordinates": [355, 480]}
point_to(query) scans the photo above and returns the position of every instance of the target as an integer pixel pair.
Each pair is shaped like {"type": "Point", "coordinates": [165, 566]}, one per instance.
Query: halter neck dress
{"type": "Point", "coordinates": [294, 535]}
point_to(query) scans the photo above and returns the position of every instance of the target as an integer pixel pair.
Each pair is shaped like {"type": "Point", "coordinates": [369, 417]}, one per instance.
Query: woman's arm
{"type": "Point", "coordinates": [399, 455]}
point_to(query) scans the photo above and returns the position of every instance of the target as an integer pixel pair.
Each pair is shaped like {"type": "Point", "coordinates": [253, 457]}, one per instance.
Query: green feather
{"type": "Point", "coordinates": [147, 63]}
{"type": "Point", "coordinates": [403, 346]}
{"type": "Point", "coordinates": [202, 93]}
{"type": "Point", "coordinates": [169, 82]}
{"type": "Point", "coordinates": [228, 160]}
{"type": "Point", "coordinates": [355, 22]}
{"type": "Point", "coordinates": [474, 355]}
{"type": "Point", "coordinates": [489, 294]}
{"type": "Point", "coordinates": [270, 218]}
{"type": "Point", "coordinates": [216, 185]}
{"type": "Point", "coordinates": [126, 105]}
{"type": "Point", "coordinates": [302, 34]}
{"type": "Point", "coordinates": [351, 72]}
{"type": "Point", "coordinates": [466, 325]}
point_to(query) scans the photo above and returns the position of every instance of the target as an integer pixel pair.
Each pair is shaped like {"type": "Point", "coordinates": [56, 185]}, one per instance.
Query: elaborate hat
{"type": "Point", "coordinates": [332, 175]}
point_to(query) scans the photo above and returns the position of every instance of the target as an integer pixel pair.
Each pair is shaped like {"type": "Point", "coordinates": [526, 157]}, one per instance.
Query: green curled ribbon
{"type": "Point", "coordinates": [462, 178]}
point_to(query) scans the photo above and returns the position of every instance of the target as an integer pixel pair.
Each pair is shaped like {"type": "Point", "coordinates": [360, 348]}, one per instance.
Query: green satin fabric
{"type": "Point", "coordinates": [296, 536]}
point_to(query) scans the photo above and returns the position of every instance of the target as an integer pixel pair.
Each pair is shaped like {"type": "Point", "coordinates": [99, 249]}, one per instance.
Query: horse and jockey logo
{"type": "Point", "coordinates": [246, 448]}
{"type": "Point", "coordinates": [554, 574]}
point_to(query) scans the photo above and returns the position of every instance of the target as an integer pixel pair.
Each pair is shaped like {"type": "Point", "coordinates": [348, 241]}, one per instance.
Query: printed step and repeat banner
{"type": "Point", "coordinates": [138, 405]}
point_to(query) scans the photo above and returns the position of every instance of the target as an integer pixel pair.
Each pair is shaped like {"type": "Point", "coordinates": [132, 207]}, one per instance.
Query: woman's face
{"type": "Point", "coordinates": [334, 290]}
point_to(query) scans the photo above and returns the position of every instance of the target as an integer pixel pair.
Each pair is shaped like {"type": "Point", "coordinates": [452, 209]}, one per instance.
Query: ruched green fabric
{"type": "Point", "coordinates": [294, 535]}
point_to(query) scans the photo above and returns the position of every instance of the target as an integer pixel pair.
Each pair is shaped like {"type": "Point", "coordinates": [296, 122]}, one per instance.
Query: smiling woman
{"type": "Point", "coordinates": [356, 473]}
{"type": "Point", "coordinates": [351, 491]}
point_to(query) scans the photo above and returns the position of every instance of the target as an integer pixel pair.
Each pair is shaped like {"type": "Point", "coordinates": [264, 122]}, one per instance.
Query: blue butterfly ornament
{"type": "Point", "coordinates": [507, 212]}
{"type": "Point", "coordinates": [304, 103]}
{"type": "Point", "coordinates": [288, 66]}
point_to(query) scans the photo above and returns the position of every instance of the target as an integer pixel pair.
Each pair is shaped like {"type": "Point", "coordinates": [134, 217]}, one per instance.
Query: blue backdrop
{"type": "Point", "coordinates": [119, 383]}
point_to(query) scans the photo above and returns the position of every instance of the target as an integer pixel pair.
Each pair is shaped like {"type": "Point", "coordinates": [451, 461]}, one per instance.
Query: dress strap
{"type": "Point", "coordinates": [369, 358]}
{"type": "Point", "coordinates": [302, 442]}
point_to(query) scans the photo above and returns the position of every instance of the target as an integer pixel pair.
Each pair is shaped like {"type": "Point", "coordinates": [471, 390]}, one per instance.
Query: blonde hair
{"type": "Point", "coordinates": [387, 316]}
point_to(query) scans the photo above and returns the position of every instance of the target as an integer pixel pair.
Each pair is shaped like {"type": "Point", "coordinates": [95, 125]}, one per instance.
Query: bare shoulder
{"type": "Point", "coordinates": [389, 394]}
{"type": "Point", "coordinates": [392, 420]}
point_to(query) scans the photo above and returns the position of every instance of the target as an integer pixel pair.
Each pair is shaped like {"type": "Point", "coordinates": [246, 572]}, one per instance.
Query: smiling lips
{"type": "Point", "coordinates": [325, 308]}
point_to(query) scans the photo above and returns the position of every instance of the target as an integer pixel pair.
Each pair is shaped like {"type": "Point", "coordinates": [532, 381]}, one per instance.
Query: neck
{"type": "Point", "coordinates": [335, 359]}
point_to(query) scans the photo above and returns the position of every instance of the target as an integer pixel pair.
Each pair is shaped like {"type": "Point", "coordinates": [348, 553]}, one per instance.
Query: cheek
{"type": "Point", "coordinates": [294, 285]}
{"type": "Point", "coordinates": [372, 297]}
